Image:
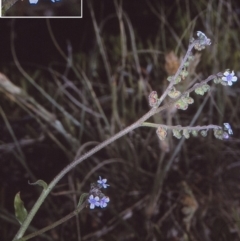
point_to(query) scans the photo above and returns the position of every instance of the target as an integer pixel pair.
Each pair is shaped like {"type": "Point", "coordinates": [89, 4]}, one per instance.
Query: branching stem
{"type": "Point", "coordinates": [125, 131]}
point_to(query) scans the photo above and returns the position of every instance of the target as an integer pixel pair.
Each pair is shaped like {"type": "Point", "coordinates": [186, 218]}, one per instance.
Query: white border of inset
{"type": "Point", "coordinates": [81, 16]}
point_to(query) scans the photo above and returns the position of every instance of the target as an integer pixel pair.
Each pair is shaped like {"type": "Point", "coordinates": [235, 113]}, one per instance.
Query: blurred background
{"type": "Point", "coordinates": [68, 84]}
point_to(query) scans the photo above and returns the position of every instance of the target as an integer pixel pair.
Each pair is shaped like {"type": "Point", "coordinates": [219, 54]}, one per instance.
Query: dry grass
{"type": "Point", "coordinates": [173, 190]}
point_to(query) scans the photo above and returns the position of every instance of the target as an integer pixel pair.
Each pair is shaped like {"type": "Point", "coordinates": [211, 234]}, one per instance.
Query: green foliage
{"type": "Point", "coordinates": [82, 198]}
{"type": "Point", "coordinates": [20, 210]}
{"type": "Point", "coordinates": [41, 183]}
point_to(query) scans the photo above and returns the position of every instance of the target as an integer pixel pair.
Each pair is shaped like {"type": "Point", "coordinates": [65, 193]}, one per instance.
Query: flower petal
{"type": "Point", "coordinates": [91, 197]}
{"type": "Point", "coordinates": [33, 1]}
{"type": "Point", "coordinates": [234, 78]}
{"type": "Point", "coordinates": [224, 78]}
{"type": "Point", "coordinates": [226, 73]}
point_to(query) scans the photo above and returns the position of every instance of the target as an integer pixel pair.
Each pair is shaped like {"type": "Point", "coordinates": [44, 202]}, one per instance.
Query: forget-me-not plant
{"type": "Point", "coordinates": [33, 1]}
{"type": "Point", "coordinates": [183, 100]}
{"type": "Point", "coordinates": [104, 201]}
{"type": "Point", "coordinates": [229, 77]}
{"type": "Point", "coordinates": [228, 128]}
{"type": "Point", "coordinates": [178, 99]}
{"type": "Point", "coordinates": [94, 201]}
{"type": "Point", "coordinates": [96, 197]}
{"type": "Point", "coordinates": [102, 182]}
{"type": "Point", "coordinates": [36, 1]}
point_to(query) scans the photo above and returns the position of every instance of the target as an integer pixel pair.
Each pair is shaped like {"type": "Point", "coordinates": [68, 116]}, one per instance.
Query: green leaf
{"type": "Point", "coordinates": [81, 199]}
{"type": "Point", "coordinates": [20, 210]}
{"type": "Point", "coordinates": [40, 183]}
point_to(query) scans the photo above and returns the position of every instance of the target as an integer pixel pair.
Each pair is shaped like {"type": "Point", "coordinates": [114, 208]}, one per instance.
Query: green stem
{"type": "Point", "coordinates": [125, 131]}
{"type": "Point", "coordinates": [45, 192]}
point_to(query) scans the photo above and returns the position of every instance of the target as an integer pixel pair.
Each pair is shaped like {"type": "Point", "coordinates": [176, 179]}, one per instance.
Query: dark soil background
{"type": "Point", "coordinates": [172, 190]}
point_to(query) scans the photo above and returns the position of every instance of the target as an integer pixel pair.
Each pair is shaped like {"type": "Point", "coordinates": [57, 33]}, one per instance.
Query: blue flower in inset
{"type": "Point", "coordinates": [94, 201]}
{"type": "Point", "coordinates": [102, 182]}
{"type": "Point", "coordinates": [229, 77]}
{"type": "Point", "coordinates": [33, 1]}
{"type": "Point", "coordinates": [104, 201]}
{"type": "Point", "coordinates": [228, 128]}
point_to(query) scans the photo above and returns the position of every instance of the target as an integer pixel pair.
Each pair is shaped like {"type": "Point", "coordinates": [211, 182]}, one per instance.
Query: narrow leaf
{"type": "Point", "coordinates": [81, 199]}
{"type": "Point", "coordinates": [40, 183]}
{"type": "Point", "coordinates": [20, 210]}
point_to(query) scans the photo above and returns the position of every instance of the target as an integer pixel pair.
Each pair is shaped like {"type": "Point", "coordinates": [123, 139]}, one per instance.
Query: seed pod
{"type": "Point", "coordinates": [177, 133]}
{"type": "Point", "coordinates": [153, 99]}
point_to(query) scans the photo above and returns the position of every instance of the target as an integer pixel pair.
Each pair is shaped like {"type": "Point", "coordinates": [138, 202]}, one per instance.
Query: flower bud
{"type": "Point", "coordinates": [162, 133]}
{"type": "Point", "coordinates": [203, 133]}
{"type": "Point", "coordinates": [153, 99]}
{"type": "Point", "coordinates": [180, 104]}
{"type": "Point", "coordinates": [195, 133]}
{"type": "Point", "coordinates": [201, 90]}
{"type": "Point", "coordinates": [186, 133]}
{"type": "Point", "coordinates": [218, 133]}
{"type": "Point", "coordinates": [173, 93]}
{"type": "Point", "coordinates": [177, 133]}
{"type": "Point", "coordinates": [217, 80]}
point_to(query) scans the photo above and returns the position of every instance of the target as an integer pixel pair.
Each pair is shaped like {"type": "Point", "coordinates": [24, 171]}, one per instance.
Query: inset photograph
{"type": "Point", "coordinates": [42, 8]}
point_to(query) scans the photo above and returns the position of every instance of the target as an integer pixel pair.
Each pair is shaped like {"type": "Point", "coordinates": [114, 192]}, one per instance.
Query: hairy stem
{"type": "Point", "coordinates": [45, 192]}
{"type": "Point", "coordinates": [190, 47]}
{"type": "Point", "coordinates": [125, 131]}
{"type": "Point", "coordinates": [68, 168]}
{"type": "Point", "coordinates": [179, 127]}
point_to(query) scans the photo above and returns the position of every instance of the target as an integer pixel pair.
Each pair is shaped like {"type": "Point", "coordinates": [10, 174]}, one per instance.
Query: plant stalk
{"type": "Point", "coordinates": [45, 192]}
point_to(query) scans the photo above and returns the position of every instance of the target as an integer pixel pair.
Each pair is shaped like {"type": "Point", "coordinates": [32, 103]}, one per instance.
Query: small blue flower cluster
{"type": "Point", "coordinates": [36, 1]}
{"type": "Point", "coordinates": [96, 197]}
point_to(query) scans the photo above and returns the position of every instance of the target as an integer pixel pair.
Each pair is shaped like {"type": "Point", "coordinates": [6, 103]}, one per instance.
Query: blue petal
{"type": "Point", "coordinates": [33, 1]}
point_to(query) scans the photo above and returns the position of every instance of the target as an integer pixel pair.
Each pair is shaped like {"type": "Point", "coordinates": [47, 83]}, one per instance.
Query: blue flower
{"type": "Point", "coordinates": [203, 40]}
{"type": "Point", "coordinates": [201, 35]}
{"type": "Point", "coordinates": [102, 182]}
{"type": "Point", "coordinates": [229, 77]}
{"type": "Point", "coordinates": [225, 135]}
{"type": "Point", "coordinates": [104, 201]}
{"type": "Point", "coordinates": [33, 1]}
{"type": "Point", "coordinates": [228, 128]}
{"type": "Point", "coordinates": [94, 201]}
